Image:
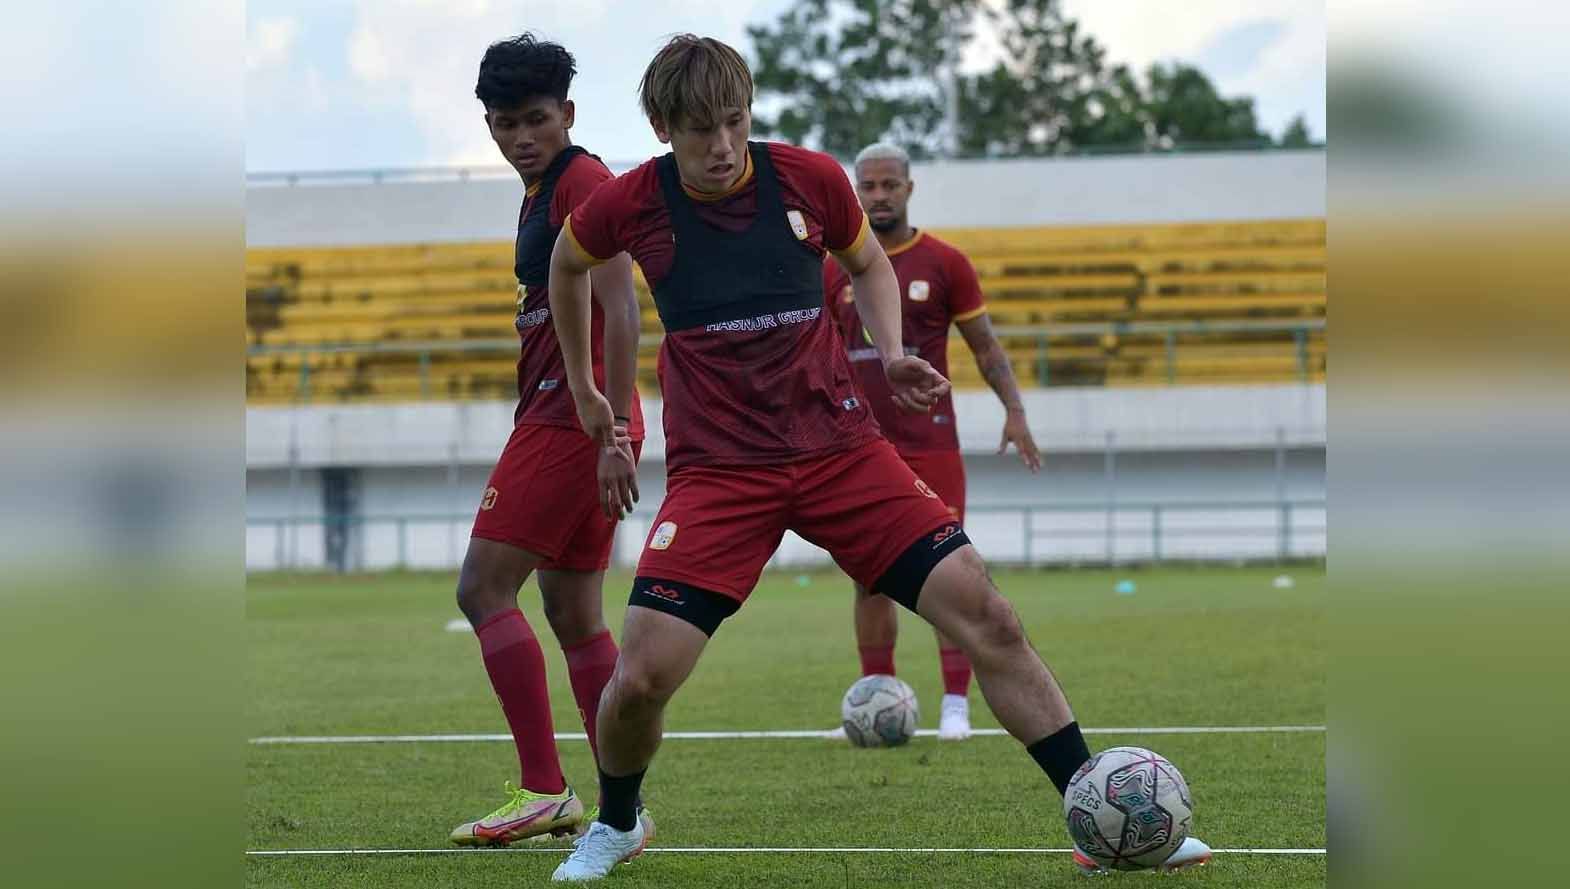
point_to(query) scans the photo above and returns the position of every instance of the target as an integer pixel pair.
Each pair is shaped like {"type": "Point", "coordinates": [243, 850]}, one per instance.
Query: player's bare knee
{"type": "Point", "coordinates": [639, 690]}
{"type": "Point", "coordinates": [999, 627]}
{"type": "Point", "coordinates": [573, 618]}
{"type": "Point", "coordinates": [476, 600]}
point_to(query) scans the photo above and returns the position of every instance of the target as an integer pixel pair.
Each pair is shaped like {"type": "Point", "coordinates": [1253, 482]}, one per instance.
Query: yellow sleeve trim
{"type": "Point", "coordinates": [861, 238]}
{"type": "Point", "coordinates": [973, 313]}
{"type": "Point", "coordinates": [572, 239]}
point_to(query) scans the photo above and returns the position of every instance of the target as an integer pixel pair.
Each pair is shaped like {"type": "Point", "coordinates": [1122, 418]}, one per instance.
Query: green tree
{"type": "Point", "coordinates": [1296, 134]}
{"type": "Point", "coordinates": [838, 74]}
{"type": "Point", "coordinates": [1183, 106]}
{"type": "Point", "coordinates": [1050, 91]}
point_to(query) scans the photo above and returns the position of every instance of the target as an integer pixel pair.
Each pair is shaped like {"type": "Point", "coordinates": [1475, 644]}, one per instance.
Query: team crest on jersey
{"type": "Point", "coordinates": [918, 291]}
{"type": "Point", "coordinates": [848, 295]}
{"type": "Point", "coordinates": [489, 499]}
{"type": "Point", "coordinates": [663, 536]}
{"type": "Point", "coordinates": [798, 224]}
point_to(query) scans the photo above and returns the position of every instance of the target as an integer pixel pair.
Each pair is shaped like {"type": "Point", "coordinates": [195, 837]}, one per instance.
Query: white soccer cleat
{"type": "Point", "coordinates": [600, 849]}
{"type": "Point", "coordinates": [1192, 853]}
{"type": "Point", "coordinates": [954, 725]}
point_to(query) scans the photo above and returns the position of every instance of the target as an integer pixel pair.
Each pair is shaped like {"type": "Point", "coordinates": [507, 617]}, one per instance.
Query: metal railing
{"type": "Point", "coordinates": [466, 172]}
{"type": "Point", "coordinates": [1175, 338]}
{"type": "Point", "coordinates": [1089, 533]}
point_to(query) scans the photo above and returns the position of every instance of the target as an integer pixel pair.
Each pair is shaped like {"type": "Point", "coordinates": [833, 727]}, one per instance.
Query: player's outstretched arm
{"type": "Point", "coordinates": [995, 368]}
{"type": "Point", "coordinates": [917, 385]}
{"type": "Point", "coordinates": [571, 313]}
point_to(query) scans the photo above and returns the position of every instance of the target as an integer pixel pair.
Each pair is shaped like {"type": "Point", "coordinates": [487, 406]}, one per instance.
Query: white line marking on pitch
{"type": "Point", "coordinates": [818, 734]}
{"type": "Point", "coordinates": [733, 850]}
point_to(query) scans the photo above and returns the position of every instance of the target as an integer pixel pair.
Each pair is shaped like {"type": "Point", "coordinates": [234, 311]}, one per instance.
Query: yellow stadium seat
{"type": "Point", "coordinates": [1043, 279]}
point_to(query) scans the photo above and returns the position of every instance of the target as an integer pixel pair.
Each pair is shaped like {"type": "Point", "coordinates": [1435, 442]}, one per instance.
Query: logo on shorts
{"type": "Point", "coordinates": [663, 536]}
{"type": "Point", "coordinates": [918, 291]}
{"type": "Point", "coordinates": [850, 404]}
{"type": "Point", "coordinates": [666, 593]}
{"type": "Point", "coordinates": [488, 499]}
{"type": "Point", "coordinates": [943, 534]}
{"type": "Point", "coordinates": [548, 385]}
{"type": "Point", "coordinates": [925, 490]}
{"type": "Point", "coordinates": [798, 224]}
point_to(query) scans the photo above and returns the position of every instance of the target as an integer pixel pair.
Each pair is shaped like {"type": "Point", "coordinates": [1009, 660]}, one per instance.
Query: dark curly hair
{"type": "Point", "coordinates": [514, 70]}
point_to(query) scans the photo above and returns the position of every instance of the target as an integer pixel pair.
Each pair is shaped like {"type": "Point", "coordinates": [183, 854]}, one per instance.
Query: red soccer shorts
{"type": "Point", "coordinates": [719, 526]}
{"type": "Point", "coordinates": [543, 497]}
{"type": "Point", "coordinates": [944, 472]}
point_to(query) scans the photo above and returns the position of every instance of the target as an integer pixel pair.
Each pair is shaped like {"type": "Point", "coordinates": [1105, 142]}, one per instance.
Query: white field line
{"type": "Point", "coordinates": [816, 734]}
{"type": "Point", "coordinates": [741, 850]}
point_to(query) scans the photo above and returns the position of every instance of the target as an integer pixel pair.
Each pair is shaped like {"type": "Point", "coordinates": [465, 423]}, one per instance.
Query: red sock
{"type": "Point", "coordinates": [589, 666]}
{"type": "Point", "coordinates": [517, 669]}
{"type": "Point", "coordinates": [956, 671]}
{"type": "Point", "coordinates": [877, 659]}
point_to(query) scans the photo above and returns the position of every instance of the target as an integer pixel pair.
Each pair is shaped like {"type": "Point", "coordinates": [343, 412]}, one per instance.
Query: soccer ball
{"type": "Point", "coordinates": [1128, 808]}
{"type": "Point", "coordinates": [879, 711]}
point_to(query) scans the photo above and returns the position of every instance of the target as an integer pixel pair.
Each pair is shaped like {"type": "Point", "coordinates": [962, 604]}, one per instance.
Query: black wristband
{"type": "Point", "coordinates": [621, 418]}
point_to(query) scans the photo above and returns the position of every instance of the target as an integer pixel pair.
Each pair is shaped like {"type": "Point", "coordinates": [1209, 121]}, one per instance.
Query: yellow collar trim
{"type": "Point", "coordinates": [707, 197]}
{"type": "Point", "coordinates": [901, 248]}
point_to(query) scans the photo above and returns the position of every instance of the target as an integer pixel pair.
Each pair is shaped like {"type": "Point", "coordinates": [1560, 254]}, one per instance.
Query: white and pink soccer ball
{"type": "Point", "coordinates": [1128, 808]}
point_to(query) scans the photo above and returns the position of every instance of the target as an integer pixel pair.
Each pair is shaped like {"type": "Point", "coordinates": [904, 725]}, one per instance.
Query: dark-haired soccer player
{"type": "Point", "coordinates": [764, 428]}
{"type": "Point", "coordinates": [539, 514]}
{"type": "Point", "coordinates": [937, 288]}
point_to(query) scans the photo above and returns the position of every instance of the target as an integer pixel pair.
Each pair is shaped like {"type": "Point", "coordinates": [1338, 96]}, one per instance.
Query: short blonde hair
{"type": "Point", "coordinates": [883, 151]}
{"type": "Point", "coordinates": [694, 81]}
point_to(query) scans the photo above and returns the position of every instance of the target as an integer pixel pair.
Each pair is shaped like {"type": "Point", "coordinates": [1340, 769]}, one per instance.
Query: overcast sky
{"type": "Point", "coordinates": [355, 84]}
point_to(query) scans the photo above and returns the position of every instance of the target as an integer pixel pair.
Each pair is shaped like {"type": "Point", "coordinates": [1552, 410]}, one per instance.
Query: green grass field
{"type": "Point", "coordinates": [369, 656]}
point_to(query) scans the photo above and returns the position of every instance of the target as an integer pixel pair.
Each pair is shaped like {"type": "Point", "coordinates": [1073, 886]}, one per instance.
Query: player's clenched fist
{"type": "Point", "coordinates": [917, 385]}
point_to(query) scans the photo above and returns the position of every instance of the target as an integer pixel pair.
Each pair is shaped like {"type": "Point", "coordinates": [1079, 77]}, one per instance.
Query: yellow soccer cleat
{"type": "Point", "coordinates": [525, 814]}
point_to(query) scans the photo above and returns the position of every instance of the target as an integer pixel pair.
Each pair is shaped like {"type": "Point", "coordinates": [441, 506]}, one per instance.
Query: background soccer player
{"type": "Point", "coordinates": [539, 513]}
{"type": "Point", "coordinates": [937, 287]}
{"type": "Point", "coordinates": [764, 428]}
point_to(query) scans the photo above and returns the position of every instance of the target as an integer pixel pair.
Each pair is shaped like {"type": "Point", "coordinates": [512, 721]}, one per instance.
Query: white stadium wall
{"type": "Point", "coordinates": [1220, 186]}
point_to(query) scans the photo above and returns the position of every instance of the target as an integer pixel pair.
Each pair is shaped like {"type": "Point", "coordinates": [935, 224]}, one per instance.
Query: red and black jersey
{"type": "Point", "coordinates": [751, 367]}
{"type": "Point", "coordinates": [938, 287]}
{"type": "Point", "coordinates": [543, 396]}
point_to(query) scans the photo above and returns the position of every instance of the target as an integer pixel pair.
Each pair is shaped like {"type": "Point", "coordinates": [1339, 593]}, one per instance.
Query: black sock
{"type": "Point", "coordinates": [1060, 754]}
{"type": "Point", "coordinates": [619, 799]}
